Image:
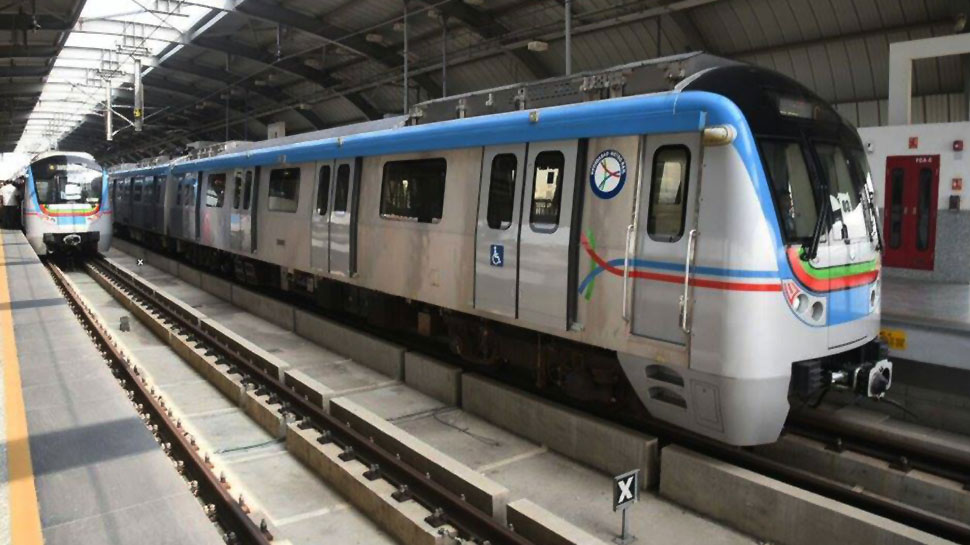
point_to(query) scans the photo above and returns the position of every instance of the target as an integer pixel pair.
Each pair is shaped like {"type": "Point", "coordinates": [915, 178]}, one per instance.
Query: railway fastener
{"type": "Point", "coordinates": [836, 445]}
{"type": "Point", "coordinates": [325, 437]}
{"type": "Point", "coordinates": [373, 472]}
{"type": "Point", "coordinates": [901, 464]}
{"type": "Point", "coordinates": [347, 455]}
{"type": "Point", "coordinates": [402, 494]}
{"type": "Point", "coordinates": [437, 518]}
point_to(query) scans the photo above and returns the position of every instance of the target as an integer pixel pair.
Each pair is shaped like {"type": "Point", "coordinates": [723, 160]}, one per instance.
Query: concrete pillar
{"type": "Point", "coordinates": [901, 57]}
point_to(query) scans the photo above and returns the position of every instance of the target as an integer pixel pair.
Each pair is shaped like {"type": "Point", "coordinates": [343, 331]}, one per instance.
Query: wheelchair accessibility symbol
{"type": "Point", "coordinates": [497, 255]}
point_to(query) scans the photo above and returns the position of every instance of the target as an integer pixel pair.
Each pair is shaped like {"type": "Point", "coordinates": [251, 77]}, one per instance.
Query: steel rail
{"type": "Point", "coordinates": [239, 528]}
{"type": "Point", "coordinates": [446, 506]}
{"type": "Point", "coordinates": [842, 492]}
{"type": "Point", "coordinates": [934, 457]}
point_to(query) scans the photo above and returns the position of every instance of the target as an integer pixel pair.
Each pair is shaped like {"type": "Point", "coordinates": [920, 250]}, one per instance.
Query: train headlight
{"type": "Point", "coordinates": [800, 304]}
{"type": "Point", "coordinates": [818, 310]}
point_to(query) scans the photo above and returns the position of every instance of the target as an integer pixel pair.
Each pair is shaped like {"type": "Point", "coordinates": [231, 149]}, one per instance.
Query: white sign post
{"type": "Point", "coordinates": [626, 492]}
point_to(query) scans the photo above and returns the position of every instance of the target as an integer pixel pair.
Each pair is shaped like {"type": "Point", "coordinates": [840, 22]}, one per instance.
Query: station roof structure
{"type": "Point", "coordinates": [225, 69]}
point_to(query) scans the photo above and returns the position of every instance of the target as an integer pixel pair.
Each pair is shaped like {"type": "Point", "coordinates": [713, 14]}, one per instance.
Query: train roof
{"type": "Point", "coordinates": [55, 153]}
{"type": "Point", "coordinates": [692, 94]}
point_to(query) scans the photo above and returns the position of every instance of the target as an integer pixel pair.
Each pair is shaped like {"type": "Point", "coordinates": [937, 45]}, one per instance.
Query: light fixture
{"type": "Point", "coordinates": [374, 38]}
{"type": "Point", "coordinates": [538, 45]}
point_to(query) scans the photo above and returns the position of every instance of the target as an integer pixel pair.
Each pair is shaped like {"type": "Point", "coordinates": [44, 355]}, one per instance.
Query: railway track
{"type": "Point", "coordinates": [476, 526]}
{"type": "Point", "coordinates": [220, 506]}
{"type": "Point", "coordinates": [447, 507]}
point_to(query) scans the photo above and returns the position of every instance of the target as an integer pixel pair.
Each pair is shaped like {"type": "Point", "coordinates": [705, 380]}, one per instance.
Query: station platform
{"type": "Point", "coordinates": [927, 322]}
{"type": "Point", "coordinates": [77, 465]}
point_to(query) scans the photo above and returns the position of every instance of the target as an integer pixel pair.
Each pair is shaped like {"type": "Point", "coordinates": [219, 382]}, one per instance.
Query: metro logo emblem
{"type": "Point", "coordinates": [791, 291]}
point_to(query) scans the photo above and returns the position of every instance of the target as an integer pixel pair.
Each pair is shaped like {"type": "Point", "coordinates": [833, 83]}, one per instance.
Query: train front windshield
{"type": "Point", "coordinates": [67, 181]}
{"type": "Point", "coordinates": [840, 181]}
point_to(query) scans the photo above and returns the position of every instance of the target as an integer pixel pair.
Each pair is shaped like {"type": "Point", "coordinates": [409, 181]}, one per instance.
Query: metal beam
{"type": "Point", "coordinates": [353, 42]}
{"type": "Point", "coordinates": [292, 66]}
{"type": "Point", "coordinates": [271, 93]}
{"type": "Point", "coordinates": [43, 21]}
{"type": "Point", "coordinates": [489, 27]}
{"type": "Point", "coordinates": [28, 51]}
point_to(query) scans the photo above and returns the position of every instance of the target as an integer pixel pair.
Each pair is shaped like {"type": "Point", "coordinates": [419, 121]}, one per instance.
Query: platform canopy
{"type": "Point", "coordinates": [220, 70]}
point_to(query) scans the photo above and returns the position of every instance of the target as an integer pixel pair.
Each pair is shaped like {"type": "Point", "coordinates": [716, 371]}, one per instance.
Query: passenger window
{"type": "Point", "coordinates": [547, 190]}
{"type": "Point", "coordinates": [237, 183]}
{"type": "Point", "coordinates": [284, 189]}
{"type": "Point", "coordinates": [414, 190]}
{"type": "Point", "coordinates": [136, 191]}
{"type": "Point", "coordinates": [668, 191]}
{"type": "Point", "coordinates": [342, 189]}
{"type": "Point", "coordinates": [896, 209]}
{"type": "Point", "coordinates": [323, 190]}
{"type": "Point", "coordinates": [248, 191]}
{"type": "Point", "coordinates": [923, 209]}
{"type": "Point", "coordinates": [501, 191]}
{"type": "Point", "coordinates": [215, 193]}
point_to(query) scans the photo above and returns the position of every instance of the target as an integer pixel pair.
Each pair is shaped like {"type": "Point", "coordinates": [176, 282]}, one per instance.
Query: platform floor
{"type": "Point", "coordinates": [93, 471]}
{"type": "Point", "coordinates": [925, 303]}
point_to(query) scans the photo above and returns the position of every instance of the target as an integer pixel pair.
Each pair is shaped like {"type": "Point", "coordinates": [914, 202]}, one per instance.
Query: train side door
{"type": "Point", "coordinates": [544, 242]}
{"type": "Point", "coordinates": [250, 202]}
{"type": "Point", "coordinates": [666, 237]}
{"type": "Point", "coordinates": [497, 232]}
{"type": "Point", "coordinates": [236, 212]}
{"type": "Point", "coordinates": [343, 217]}
{"type": "Point", "coordinates": [320, 218]}
{"type": "Point", "coordinates": [199, 194]}
{"type": "Point", "coordinates": [912, 189]}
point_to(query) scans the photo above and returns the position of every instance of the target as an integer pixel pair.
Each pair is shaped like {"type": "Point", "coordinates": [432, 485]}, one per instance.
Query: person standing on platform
{"type": "Point", "coordinates": [10, 199]}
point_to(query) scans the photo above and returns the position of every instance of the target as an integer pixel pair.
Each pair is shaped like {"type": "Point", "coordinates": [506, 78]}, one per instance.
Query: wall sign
{"type": "Point", "coordinates": [607, 174]}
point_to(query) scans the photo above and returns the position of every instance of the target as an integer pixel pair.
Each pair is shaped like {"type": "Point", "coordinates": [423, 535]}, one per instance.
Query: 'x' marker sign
{"type": "Point", "coordinates": [626, 489]}
{"type": "Point", "coordinates": [141, 262]}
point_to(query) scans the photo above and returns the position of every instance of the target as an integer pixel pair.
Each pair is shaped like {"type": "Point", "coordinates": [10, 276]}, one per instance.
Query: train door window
{"type": "Point", "coordinates": [237, 183]}
{"type": "Point", "coordinates": [896, 208]}
{"type": "Point", "coordinates": [547, 191]}
{"type": "Point", "coordinates": [158, 189]}
{"type": "Point", "coordinates": [668, 189]}
{"type": "Point", "coordinates": [248, 190]}
{"type": "Point", "coordinates": [342, 188]}
{"type": "Point", "coordinates": [323, 190]}
{"type": "Point", "coordinates": [215, 193]}
{"type": "Point", "coordinates": [414, 190]}
{"type": "Point", "coordinates": [137, 189]}
{"type": "Point", "coordinates": [923, 209]}
{"type": "Point", "coordinates": [501, 191]}
{"type": "Point", "coordinates": [284, 189]}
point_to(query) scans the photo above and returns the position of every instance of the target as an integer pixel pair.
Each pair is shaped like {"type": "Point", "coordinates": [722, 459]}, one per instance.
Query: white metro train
{"type": "Point", "coordinates": [65, 207]}
{"type": "Point", "coordinates": [708, 246]}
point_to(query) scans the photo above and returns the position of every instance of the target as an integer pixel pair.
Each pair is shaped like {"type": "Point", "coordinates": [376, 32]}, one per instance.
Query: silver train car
{"type": "Point", "coordinates": [66, 208]}
{"type": "Point", "coordinates": [707, 252]}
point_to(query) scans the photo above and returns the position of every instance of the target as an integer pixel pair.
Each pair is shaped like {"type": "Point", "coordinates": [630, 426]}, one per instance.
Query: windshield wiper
{"type": "Point", "coordinates": [875, 218]}
{"type": "Point", "coordinates": [817, 233]}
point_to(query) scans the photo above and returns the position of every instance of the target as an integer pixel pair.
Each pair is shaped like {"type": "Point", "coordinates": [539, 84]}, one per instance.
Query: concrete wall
{"type": "Point", "coordinates": [952, 261]}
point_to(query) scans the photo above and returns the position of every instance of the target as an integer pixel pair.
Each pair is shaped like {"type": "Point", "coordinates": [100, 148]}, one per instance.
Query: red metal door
{"type": "Point", "coordinates": [912, 188]}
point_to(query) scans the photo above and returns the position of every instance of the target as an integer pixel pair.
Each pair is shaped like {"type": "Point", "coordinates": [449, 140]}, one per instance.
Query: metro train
{"type": "Point", "coordinates": [709, 249]}
{"type": "Point", "coordinates": [66, 207]}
